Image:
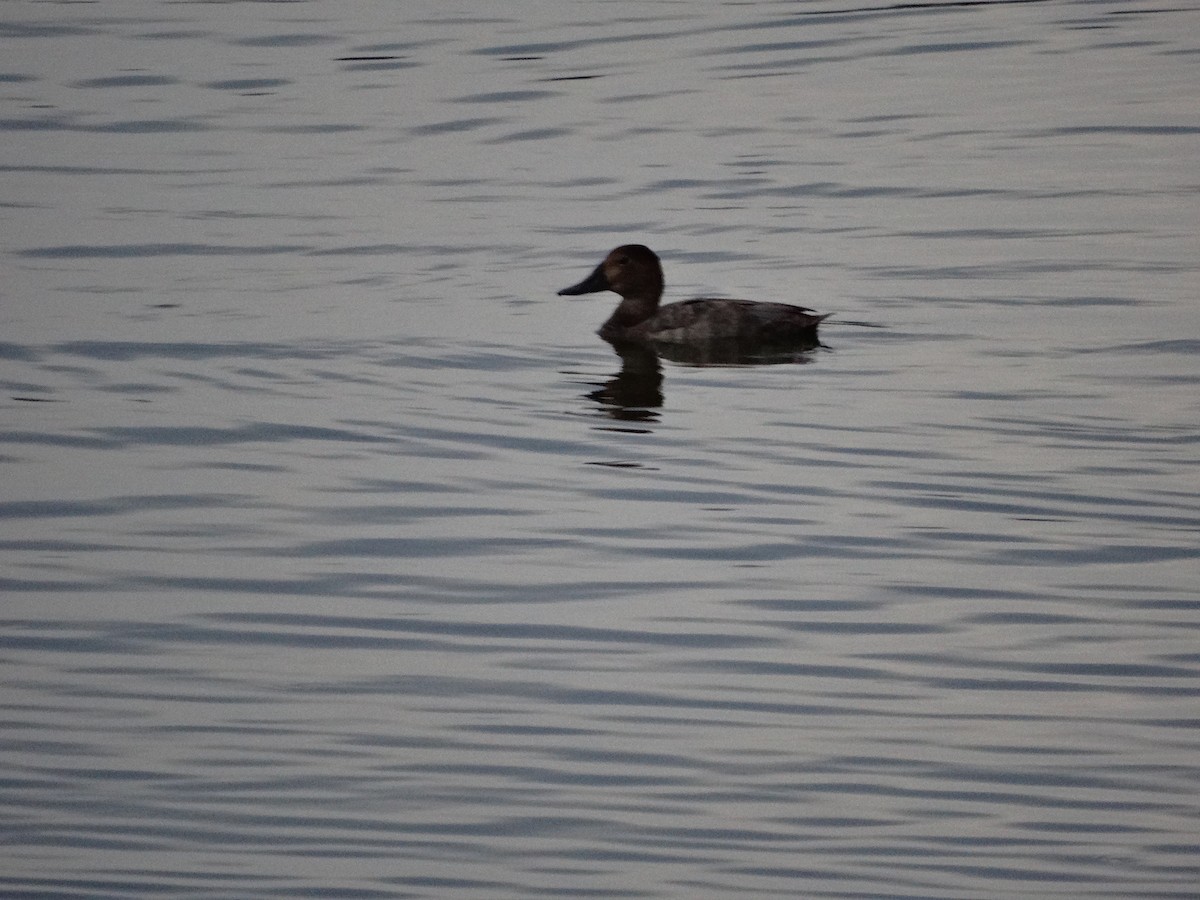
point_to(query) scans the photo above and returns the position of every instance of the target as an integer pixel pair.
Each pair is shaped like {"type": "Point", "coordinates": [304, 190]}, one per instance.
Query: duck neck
{"type": "Point", "coordinates": [633, 310]}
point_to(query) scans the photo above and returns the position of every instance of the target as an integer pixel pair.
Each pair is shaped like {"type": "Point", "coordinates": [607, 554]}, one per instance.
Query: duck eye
{"type": "Point", "coordinates": [623, 261]}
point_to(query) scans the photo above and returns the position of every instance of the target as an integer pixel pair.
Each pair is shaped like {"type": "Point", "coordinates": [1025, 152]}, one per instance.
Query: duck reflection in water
{"type": "Point", "coordinates": [635, 392]}
{"type": "Point", "coordinates": [701, 332]}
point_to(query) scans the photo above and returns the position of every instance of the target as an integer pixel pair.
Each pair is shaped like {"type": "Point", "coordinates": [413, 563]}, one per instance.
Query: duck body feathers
{"type": "Point", "coordinates": [709, 319]}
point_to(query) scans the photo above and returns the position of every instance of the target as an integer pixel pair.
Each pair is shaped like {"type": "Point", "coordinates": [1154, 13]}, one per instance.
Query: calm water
{"type": "Point", "coordinates": [341, 559]}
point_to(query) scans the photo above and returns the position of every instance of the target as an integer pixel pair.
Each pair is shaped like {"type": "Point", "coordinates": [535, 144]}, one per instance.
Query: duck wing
{"type": "Point", "coordinates": [722, 319]}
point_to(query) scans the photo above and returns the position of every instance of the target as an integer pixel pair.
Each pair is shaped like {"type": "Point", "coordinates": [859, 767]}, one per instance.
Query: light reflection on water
{"type": "Point", "coordinates": [340, 558]}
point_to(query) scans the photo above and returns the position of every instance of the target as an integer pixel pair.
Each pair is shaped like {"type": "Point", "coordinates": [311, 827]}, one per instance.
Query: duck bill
{"type": "Point", "coordinates": [593, 284]}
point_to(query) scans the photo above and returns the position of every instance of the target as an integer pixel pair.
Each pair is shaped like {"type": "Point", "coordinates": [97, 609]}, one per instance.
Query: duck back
{"type": "Point", "coordinates": [708, 319]}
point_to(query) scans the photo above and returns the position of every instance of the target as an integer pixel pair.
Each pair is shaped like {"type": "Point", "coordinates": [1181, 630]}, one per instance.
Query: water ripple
{"type": "Point", "coordinates": [342, 559]}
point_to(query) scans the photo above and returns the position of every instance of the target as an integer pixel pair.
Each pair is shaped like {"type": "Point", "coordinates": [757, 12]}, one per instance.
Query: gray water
{"type": "Point", "coordinates": [341, 559]}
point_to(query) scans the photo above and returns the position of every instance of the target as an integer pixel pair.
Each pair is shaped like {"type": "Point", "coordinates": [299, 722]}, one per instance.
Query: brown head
{"type": "Point", "coordinates": [632, 270]}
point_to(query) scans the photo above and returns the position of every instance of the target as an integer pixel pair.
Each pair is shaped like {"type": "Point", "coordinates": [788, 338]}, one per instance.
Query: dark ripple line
{"type": "Point", "coordinates": [60, 546]}
{"type": "Point", "coordinates": [246, 84]}
{"type": "Point", "coordinates": [779, 46]}
{"type": "Point", "coordinates": [454, 126]}
{"type": "Point", "coordinates": [1102, 433]}
{"type": "Point", "coordinates": [285, 40]}
{"type": "Point", "coordinates": [553, 695]}
{"type": "Point", "coordinates": [537, 50]}
{"type": "Point", "coordinates": [1104, 678]}
{"type": "Point", "coordinates": [1042, 686]}
{"type": "Point", "coordinates": [418, 548]}
{"type": "Point", "coordinates": [140, 637]}
{"type": "Point", "coordinates": [363, 250]}
{"type": "Point", "coordinates": [1186, 346]}
{"type": "Point", "coordinates": [948, 47]}
{"type": "Point", "coordinates": [50, 585]}
{"type": "Point", "coordinates": [529, 631]}
{"type": "Point", "coordinates": [505, 96]}
{"type": "Point", "coordinates": [128, 126]}
{"type": "Point", "coordinates": [195, 436]}
{"type": "Point", "coordinates": [739, 189]}
{"type": "Point", "coordinates": [807, 670]}
{"type": "Point", "coordinates": [1059, 504]}
{"type": "Point", "coordinates": [191, 350]}
{"type": "Point", "coordinates": [1102, 554]}
{"type": "Point", "coordinates": [305, 829]}
{"type": "Point", "coordinates": [1136, 130]}
{"type": "Point", "coordinates": [124, 251]}
{"type": "Point", "coordinates": [320, 128]}
{"type": "Point", "coordinates": [40, 30]}
{"type": "Point", "coordinates": [1072, 800]}
{"type": "Point", "coordinates": [919, 6]}
{"type": "Point", "coordinates": [109, 170]}
{"type": "Point", "coordinates": [1106, 670]}
{"type": "Point", "coordinates": [859, 627]}
{"type": "Point", "coordinates": [387, 586]}
{"type": "Point", "coordinates": [126, 81]}
{"type": "Point", "coordinates": [117, 505]}
{"type": "Point", "coordinates": [1024, 269]}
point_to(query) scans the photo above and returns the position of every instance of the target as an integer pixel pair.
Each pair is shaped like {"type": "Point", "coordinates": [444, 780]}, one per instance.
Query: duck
{"type": "Point", "coordinates": [634, 272]}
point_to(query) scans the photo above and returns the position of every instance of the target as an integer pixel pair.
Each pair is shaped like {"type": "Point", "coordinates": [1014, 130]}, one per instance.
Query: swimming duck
{"type": "Point", "coordinates": [634, 272]}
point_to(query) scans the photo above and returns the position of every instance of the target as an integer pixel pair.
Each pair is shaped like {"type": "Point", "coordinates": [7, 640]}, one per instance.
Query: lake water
{"type": "Point", "coordinates": [341, 559]}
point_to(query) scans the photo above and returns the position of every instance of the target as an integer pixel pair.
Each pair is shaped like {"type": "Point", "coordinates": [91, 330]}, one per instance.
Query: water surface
{"type": "Point", "coordinates": [342, 559]}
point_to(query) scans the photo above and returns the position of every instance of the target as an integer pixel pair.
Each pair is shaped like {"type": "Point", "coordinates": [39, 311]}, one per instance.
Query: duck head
{"type": "Point", "coordinates": [632, 271]}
